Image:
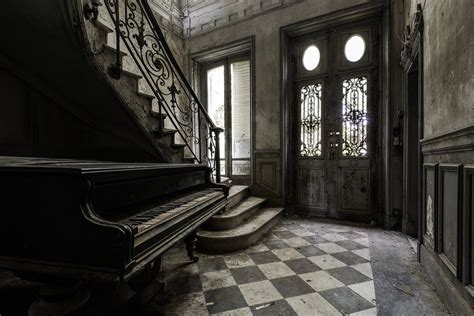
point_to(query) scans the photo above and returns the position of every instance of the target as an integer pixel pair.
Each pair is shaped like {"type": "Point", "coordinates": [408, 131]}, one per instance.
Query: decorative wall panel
{"type": "Point", "coordinates": [453, 153]}
{"type": "Point", "coordinates": [468, 220]}
{"type": "Point", "coordinates": [449, 216]}
{"type": "Point", "coordinates": [268, 175]}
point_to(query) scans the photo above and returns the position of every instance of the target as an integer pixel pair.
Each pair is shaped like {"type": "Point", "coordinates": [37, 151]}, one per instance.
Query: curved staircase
{"type": "Point", "coordinates": [241, 225]}
{"type": "Point", "coordinates": [154, 100]}
{"type": "Point", "coordinates": [133, 88]}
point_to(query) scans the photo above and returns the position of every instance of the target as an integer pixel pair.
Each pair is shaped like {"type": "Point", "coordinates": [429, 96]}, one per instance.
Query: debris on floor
{"type": "Point", "coordinates": [405, 289]}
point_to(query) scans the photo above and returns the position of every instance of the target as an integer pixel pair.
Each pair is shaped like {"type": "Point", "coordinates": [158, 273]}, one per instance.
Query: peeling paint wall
{"type": "Point", "coordinates": [168, 14]}
{"type": "Point", "coordinates": [448, 64]}
{"type": "Point", "coordinates": [448, 126]}
{"type": "Point", "coordinates": [205, 15]}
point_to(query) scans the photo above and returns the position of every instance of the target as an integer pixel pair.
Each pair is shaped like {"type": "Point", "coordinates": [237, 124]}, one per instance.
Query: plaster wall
{"type": "Point", "coordinates": [168, 14]}
{"type": "Point", "coordinates": [448, 64]}
{"type": "Point", "coordinates": [266, 29]}
{"type": "Point", "coordinates": [204, 15]}
{"type": "Point", "coordinates": [448, 127]}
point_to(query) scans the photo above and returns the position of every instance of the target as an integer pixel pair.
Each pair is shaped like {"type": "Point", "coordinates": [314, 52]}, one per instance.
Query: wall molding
{"type": "Point", "coordinates": [459, 140]}
{"type": "Point", "coordinates": [213, 15]}
{"type": "Point", "coordinates": [268, 173]}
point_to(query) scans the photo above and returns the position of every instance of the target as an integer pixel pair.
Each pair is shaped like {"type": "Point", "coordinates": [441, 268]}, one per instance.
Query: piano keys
{"type": "Point", "coordinates": [99, 220]}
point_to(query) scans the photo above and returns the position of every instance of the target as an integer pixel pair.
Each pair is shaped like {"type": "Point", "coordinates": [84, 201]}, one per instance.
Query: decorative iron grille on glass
{"type": "Point", "coordinates": [310, 120]}
{"type": "Point", "coordinates": [354, 117]}
{"type": "Point", "coordinates": [137, 28]}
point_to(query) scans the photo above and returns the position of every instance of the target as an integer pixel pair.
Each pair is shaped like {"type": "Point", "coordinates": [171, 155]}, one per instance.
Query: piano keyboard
{"type": "Point", "coordinates": [143, 222]}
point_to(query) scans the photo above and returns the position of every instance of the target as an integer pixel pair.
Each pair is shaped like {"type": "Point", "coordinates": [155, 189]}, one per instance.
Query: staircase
{"type": "Point", "coordinates": [133, 88]}
{"type": "Point", "coordinates": [131, 53]}
{"type": "Point", "coordinates": [241, 225]}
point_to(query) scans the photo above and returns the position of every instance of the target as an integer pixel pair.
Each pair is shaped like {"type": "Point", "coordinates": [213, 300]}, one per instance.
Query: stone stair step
{"type": "Point", "coordinates": [146, 95]}
{"type": "Point", "coordinates": [236, 215]}
{"type": "Point", "coordinates": [132, 75]}
{"type": "Point", "coordinates": [103, 25]}
{"type": "Point", "coordinates": [135, 90]}
{"type": "Point", "coordinates": [164, 132]}
{"type": "Point", "coordinates": [242, 236]}
{"type": "Point", "coordinates": [236, 194]}
{"type": "Point", "coordinates": [113, 49]}
{"type": "Point", "coordinates": [158, 116]}
{"type": "Point", "coordinates": [178, 146]}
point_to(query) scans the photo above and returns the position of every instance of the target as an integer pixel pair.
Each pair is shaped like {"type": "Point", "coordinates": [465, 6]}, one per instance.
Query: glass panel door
{"type": "Point", "coordinates": [216, 105]}
{"type": "Point", "coordinates": [333, 122]}
{"type": "Point", "coordinates": [228, 88]}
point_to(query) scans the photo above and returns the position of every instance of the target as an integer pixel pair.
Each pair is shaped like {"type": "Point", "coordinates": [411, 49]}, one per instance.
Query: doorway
{"type": "Point", "coordinates": [334, 120]}
{"type": "Point", "coordinates": [412, 148]}
{"type": "Point", "coordinates": [226, 89]}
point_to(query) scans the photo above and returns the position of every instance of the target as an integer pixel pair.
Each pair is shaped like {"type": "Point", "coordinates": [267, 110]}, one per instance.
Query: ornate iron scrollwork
{"type": "Point", "coordinates": [310, 124]}
{"type": "Point", "coordinates": [354, 117]}
{"type": "Point", "coordinates": [138, 29]}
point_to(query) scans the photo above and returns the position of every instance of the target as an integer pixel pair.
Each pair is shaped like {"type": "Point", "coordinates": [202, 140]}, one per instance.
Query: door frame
{"type": "Point", "coordinates": [234, 49]}
{"type": "Point", "coordinates": [226, 62]}
{"type": "Point", "coordinates": [353, 15]}
{"type": "Point", "coordinates": [412, 57]}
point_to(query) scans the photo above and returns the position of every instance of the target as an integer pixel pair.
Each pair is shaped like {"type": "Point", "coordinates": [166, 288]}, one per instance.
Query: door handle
{"type": "Point", "coordinates": [332, 145]}
{"type": "Point", "coordinates": [337, 133]}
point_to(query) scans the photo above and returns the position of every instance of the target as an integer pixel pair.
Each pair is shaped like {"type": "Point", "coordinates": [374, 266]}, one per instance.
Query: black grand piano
{"type": "Point", "coordinates": [97, 220]}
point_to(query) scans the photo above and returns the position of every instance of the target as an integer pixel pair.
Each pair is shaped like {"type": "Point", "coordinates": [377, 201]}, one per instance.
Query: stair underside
{"type": "Point", "coordinates": [242, 236]}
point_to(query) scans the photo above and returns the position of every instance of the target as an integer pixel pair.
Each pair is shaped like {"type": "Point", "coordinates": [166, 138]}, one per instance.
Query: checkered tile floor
{"type": "Point", "coordinates": [301, 267]}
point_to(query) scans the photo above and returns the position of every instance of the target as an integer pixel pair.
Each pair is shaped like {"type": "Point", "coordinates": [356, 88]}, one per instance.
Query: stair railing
{"type": "Point", "coordinates": [136, 27]}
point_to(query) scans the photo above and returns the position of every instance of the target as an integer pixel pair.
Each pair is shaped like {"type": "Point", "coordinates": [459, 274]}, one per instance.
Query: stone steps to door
{"type": "Point", "coordinates": [241, 236]}
{"type": "Point", "coordinates": [236, 215]}
{"type": "Point", "coordinates": [236, 194]}
{"type": "Point", "coordinates": [241, 225]}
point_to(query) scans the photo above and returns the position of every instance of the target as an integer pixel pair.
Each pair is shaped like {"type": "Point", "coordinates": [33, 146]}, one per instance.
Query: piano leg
{"type": "Point", "coordinates": [191, 246]}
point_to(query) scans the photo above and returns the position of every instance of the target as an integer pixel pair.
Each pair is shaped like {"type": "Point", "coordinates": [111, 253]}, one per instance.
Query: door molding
{"type": "Point", "coordinates": [243, 46]}
{"type": "Point", "coordinates": [412, 60]}
{"type": "Point", "coordinates": [352, 15]}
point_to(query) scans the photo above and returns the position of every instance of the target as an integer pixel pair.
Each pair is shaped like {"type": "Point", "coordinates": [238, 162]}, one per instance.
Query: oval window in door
{"type": "Point", "coordinates": [354, 49]}
{"type": "Point", "coordinates": [311, 57]}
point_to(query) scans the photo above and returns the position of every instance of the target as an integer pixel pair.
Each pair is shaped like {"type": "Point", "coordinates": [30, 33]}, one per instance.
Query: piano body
{"type": "Point", "coordinates": [99, 221]}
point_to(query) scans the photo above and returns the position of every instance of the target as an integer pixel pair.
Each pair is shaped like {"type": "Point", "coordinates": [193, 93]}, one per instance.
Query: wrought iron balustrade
{"type": "Point", "coordinates": [137, 29]}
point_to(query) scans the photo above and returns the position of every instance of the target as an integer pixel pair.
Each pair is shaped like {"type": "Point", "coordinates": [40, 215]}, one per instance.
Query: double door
{"type": "Point", "coordinates": [335, 123]}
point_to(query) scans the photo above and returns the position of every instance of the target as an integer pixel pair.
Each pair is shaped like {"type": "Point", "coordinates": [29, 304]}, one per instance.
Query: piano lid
{"type": "Point", "coordinates": [88, 167]}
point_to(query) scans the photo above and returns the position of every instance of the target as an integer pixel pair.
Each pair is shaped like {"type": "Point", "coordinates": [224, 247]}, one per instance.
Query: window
{"type": "Point", "coordinates": [228, 95]}
{"type": "Point", "coordinates": [310, 125]}
{"type": "Point", "coordinates": [354, 117]}
{"type": "Point", "coordinates": [311, 57]}
{"type": "Point", "coordinates": [354, 48]}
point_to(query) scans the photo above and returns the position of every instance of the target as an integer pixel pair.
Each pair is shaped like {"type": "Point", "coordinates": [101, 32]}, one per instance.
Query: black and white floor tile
{"type": "Point", "coordinates": [299, 268]}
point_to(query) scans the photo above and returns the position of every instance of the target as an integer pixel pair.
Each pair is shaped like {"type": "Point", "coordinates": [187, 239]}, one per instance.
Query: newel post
{"type": "Point", "coordinates": [217, 154]}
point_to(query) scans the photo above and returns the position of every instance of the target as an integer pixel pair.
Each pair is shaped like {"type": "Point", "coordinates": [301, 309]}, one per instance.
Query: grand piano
{"type": "Point", "coordinates": [96, 220]}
